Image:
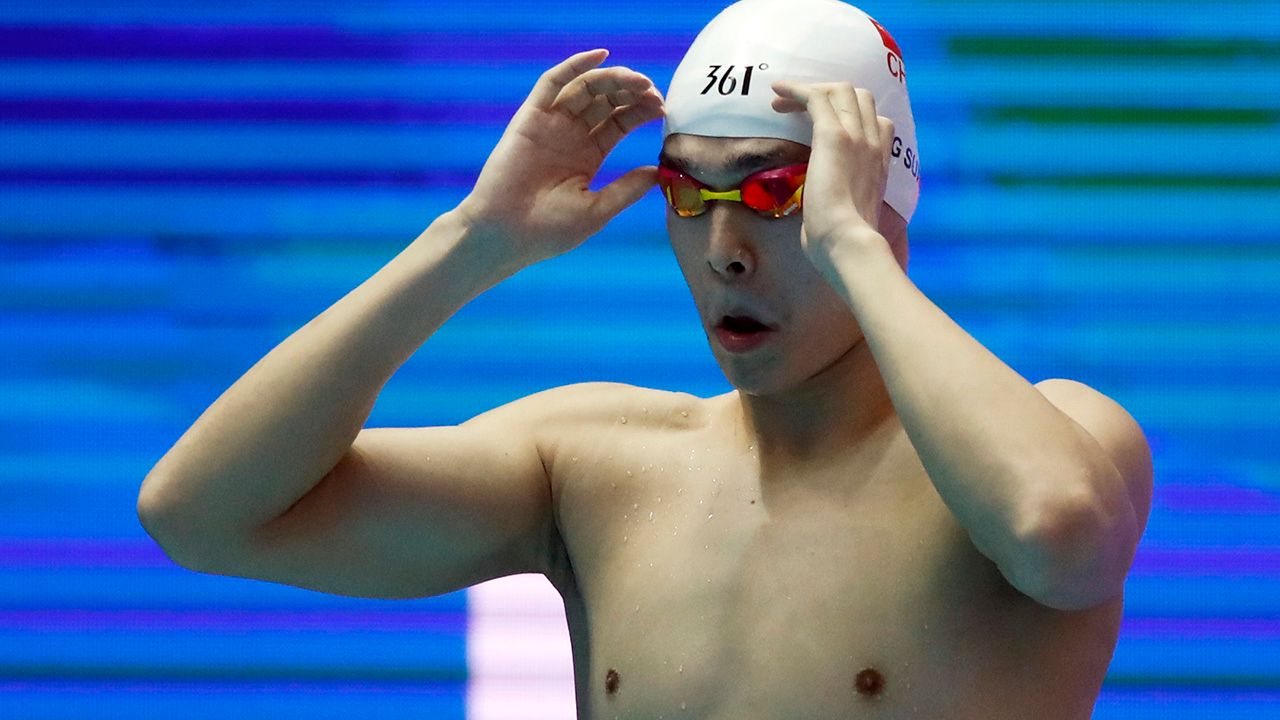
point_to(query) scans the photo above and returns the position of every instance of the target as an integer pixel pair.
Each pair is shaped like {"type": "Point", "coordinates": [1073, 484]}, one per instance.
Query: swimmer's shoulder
{"type": "Point", "coordinates": [602, 404]}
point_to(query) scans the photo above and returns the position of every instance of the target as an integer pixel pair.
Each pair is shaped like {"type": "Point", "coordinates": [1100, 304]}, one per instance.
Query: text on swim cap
{"type": "Point", "coordinates": [727, 83]}
{"type": "Point", "coordinates": [896, 68]}
{"type": "Point", "coordinates": [894, 56]}
{"type": "Point", "coordinates": [911, 161]}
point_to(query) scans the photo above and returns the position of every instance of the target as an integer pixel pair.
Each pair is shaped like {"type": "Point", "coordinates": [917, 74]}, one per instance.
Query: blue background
{"type": "Point", "coordinates": [184, 185]}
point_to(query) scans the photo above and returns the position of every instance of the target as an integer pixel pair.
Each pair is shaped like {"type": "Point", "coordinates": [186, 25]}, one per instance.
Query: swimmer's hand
{"type": "Point", "coordinates": [840, 206]}
{"type": "Point", "coordinates": [533, 194]}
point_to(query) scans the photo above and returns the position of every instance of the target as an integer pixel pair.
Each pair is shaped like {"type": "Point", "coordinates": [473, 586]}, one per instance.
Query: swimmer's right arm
{"type": "Point", "coordinates": [277, 480]}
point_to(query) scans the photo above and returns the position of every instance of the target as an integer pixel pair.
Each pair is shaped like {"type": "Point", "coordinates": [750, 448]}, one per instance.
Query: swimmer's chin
{"type": "Point", "coordinates": [754, 387]}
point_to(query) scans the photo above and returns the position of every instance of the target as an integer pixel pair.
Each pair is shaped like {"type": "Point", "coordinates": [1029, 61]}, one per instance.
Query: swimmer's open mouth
{"type": "Point", "coordinates": [742, 325]}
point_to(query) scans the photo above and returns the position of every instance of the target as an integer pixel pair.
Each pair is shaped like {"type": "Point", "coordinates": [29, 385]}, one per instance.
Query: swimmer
{"type": "Point", "coordinates": [882, 519]}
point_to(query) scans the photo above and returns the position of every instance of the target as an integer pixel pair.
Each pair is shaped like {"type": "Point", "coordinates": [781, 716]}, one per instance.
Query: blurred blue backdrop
{"type": "Point", "coordinates": [184, 185]}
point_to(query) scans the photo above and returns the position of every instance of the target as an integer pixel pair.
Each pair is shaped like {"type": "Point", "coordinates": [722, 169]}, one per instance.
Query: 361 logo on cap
{"type": "Point", "coordinates": [727, 83]}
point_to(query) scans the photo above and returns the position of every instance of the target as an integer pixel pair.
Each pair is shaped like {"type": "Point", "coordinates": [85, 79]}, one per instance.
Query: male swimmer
{"type": "Point", "coordinates": [882, 520]}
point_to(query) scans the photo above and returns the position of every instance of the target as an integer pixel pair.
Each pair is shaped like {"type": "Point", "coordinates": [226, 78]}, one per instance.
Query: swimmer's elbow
{"type": "Point", "coordinates": [1080, 594]}
{"type": "Point", "coordinates": [1077, 557]}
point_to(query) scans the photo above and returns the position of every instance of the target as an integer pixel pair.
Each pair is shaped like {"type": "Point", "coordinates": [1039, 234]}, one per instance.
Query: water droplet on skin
{"type": "Point", "coordinates": [711, 516]}
{"type": "Point", "coordinates": [650, 516]}
{"type": "Point", "coordinates": [624, 420]}
{"type": "Point", "coordinates": [659, 499]}
{"type": "Point", "coordinates": [635, 506]}
{"type": "Point", "coordinates": [575, 458]}
{"type": "Point", "coordinates": [682, 706]}
{"type": "Point", "coordinates": [636, 610]}
{"type": "Point", "coordinates": [624, 538]}
{"type": "Point", "coordinates": [646, 410]}
{"type": "Point", "coordinates": [680, 491]}
{"type": "Point", "coordinates": [684, 413]}
{"type": "Point", "coordinates": [628, 473]}
{"type": "Point", "coordinates": [681, 669]}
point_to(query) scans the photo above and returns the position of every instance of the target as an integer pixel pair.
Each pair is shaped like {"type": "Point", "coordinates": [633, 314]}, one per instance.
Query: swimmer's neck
{"type": "Point", "coordinates": [832, 413]}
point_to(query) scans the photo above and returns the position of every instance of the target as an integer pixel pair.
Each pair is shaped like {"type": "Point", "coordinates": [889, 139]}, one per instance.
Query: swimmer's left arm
{"type": "Point", "coordinates": [1052, 481]}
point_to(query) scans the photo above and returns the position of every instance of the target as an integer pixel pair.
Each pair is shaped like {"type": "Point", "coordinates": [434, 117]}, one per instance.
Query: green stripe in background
{"type": "Point", "coordinates": [1101, 115]}
{"type": "Point", "coordinates": [981, 46]}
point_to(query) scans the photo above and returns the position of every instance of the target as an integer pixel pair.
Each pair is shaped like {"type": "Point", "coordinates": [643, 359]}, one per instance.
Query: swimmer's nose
{"type": "Point", "coordinates": [728, 253]}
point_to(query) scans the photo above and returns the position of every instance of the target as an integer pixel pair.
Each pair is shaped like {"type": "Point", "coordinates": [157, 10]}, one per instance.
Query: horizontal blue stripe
{"type": "Point", "coordinates": [264, 177]}
{"type": "Point", "coordinates": [176, 588]}
{"type": "Point", "coordinates": [1231, 19]}
{"type": "Point", "coordinates": [1204, 661]}
{"type": "Point", "coordinates": [235, 653]}
{"type": "Point", "coordinates": [111, 699]}
{"type": "Point", "coordinates": [393, 15]}
{"type": "Point", "coordinates": [112, 110]}
{"type": "Point", "coordinates": [1190, 703]}
{"type": "Point", "coordinates": [311, 42]}
{"type": "Point", "coordinates": [291, 146]}
{"type": "Point", "coordinates": [1106, 18]}
{"type": "Point", "coordinates": [367, 620]}
{"type": "Point", "coordinates": [954, 154]}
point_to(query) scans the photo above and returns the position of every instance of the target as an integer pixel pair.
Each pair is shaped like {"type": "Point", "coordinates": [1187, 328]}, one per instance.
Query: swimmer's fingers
{"type": "Point", "coordinates": [876, 129]}
{"type": "Point", "coordinates": [826, 121]}
{"type": "Point", "coordinates": [594, 90]}
{"type": "Point", "coordinates": [603, 106]}
{"type": "Point", "coordinates": [554, 80]}
{"type": "Point", "coordinates": [844, 98]}
{"type": "Point", "coordinates": [623, 120]}
{"type": "Point", "coordinates": [856, 109]}
{"type": "Point", "coordinates": [792, 97]}
{"type": "Point", "coordinates": [840, 102]}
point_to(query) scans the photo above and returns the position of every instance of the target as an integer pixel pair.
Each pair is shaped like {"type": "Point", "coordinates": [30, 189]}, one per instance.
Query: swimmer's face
{"type": "Point", "coordinates": [731, 256]}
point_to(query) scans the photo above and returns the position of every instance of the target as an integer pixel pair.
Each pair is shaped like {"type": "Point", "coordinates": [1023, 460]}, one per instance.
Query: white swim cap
{"type": "Point", "coordinates": [722, 87]}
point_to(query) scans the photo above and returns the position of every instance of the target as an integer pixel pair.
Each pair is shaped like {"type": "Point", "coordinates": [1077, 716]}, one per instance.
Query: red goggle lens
{"type": "Point", "coordinates": [774, 193]}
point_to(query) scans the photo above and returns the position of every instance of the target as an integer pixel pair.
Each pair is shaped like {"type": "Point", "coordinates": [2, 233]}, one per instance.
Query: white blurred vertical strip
{"type": "Point", "coordinates": [518, 655]}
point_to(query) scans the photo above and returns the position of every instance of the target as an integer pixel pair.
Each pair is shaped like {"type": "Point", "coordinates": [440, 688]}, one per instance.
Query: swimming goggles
{"type": "Point", "coordinates": [773, 193]}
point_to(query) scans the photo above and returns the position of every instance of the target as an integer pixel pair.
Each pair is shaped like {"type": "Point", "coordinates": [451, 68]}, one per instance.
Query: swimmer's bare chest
{"type": "Point", "coordinates": [700, 589]}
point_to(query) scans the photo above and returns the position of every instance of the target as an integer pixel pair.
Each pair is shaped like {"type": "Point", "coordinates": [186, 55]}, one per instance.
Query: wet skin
{"type": "Point", "coordinates": [779, 552]}
{"type": "Point", "coordinates": [700, 583]}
